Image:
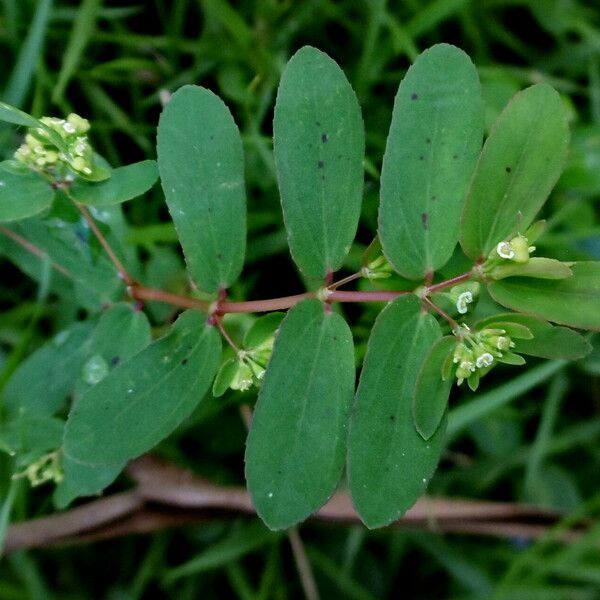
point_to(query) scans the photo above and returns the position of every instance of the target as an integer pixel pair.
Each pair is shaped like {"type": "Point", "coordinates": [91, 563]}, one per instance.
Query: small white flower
{"type": "Point", "coordinates": [467, 366]}
{"type": "Point", "coordinates": [464, 299]}
{"type": "Point", "coordinates": [485, 360]}
{"type": "Point", "coordinates": [69, 127]}
{"type": "Point", "coordinates": [504, 250]}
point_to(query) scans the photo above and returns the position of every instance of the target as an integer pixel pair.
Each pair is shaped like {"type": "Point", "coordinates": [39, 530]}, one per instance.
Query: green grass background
{"type": "Point", "coordinates": [529, 435]}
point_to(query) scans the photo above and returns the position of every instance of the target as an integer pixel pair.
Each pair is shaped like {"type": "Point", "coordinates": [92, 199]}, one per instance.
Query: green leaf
{"type": "Point", "coordinates": [262, 329]}
{"type": "Point", "coordinates": [318, 142]}
{"type": "Point", "coordinates": [574, 301]}
{"type": "Point", "coordinates": [297, 443]}
{"type": "Point", "coordinates": [42, 382]}
{"type": "Point", "coordinates": [547, 342]}
{"type": "Point", "coordinates": [243, 538]}
{"type": "Point", "coordinates": [201, 164]}
{"type": "Point", "coordinates": [144, 399]}
{"type": "Point", "coordinates": [124, 184]}
{"type": "Point", "coordinates": [432, 147]}
{"type": "Point", "coordinates": [431, 392]}
{"type": "Point", "coordinates": [519, 165]}
{"type": "Point", "coordinates": [28, 437]}
{"type": "Point", "coordinates": [13, 115]}
{"type": "Point", "coordinates": [83, 480]}
{"type": "Point", "coordinates": [538, 267]}
{"type": "Point", "coordinates": [225, 376]}
{"type": "Point", "coordinates": [389, 463]}
{"type": "Point", "coordinates": [105, 350]}
{"type": "Point", "coordinates": [23, 195]}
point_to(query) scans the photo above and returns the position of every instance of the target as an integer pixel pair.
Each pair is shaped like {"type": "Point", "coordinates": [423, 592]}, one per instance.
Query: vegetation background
{"type": "Point", "coordinates": [529, 435]}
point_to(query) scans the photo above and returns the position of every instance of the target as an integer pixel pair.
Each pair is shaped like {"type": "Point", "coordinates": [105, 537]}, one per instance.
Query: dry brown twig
{"type": "Point", "coordinates": [166, 495]}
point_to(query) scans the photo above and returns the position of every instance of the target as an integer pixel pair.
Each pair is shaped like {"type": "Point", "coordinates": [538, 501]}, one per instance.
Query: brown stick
{"type": "Point", "coordinates": [167, 496]}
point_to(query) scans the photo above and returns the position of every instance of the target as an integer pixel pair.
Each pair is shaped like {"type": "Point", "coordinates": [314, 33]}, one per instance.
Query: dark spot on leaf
{"type": "Point", "coordinates": [324, 138]}
{"type": "Point", "coordinates": [219, 256]}
{"type": "Point", "coordinates": [414, 96]}
{"type": "Point", "coordinates": [323, 177]}
{"type": "Point", "coordinates": [318, 123]}
{"type": "Point", "coordinates": [455, 156]}
{"type": "Point", "coordinates": [508, 169]}
{"type": "Point", "coordinates": [114, 361]}
{"type": "Point", "coordinates": [434, 198]}
{"type": "Point", "coordinates": [212, 137]}
{"type": "Point", "coordinates": [425, 220]}
{"type": "Point", "coordinates": [421, 157]}
{"type": "Point", "coordinates": [339, 156]}
{"type": "Point", "coordinates": [184, 361]}
{"type": "Point", "coordinates": [392, 417]}
{"type": "Point", "coordinates": [428, 140]}
{"type": "Point", "coordinates": [321, 164]}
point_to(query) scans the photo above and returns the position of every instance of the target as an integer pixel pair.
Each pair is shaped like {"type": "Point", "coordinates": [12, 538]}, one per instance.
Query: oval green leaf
{"type": "Point", "coordinates": [431, 392]}
{"type": "Point", "coordinates": [43, 380]}
{"type": "Point", "coordinates": [262, 330]}
{"type": "Point", "coordinates": [145, 398]}
{"type": "Point", "coordinates": [574, 301]}
{"type": "Point", "coordinates": [201, 165]}
{"type": "Point", "coordinates": [124, 184]}
{"type": "Point", "coordinates": [23, 195]}
{"type": "Point", "coordinates": [432, 147]}
{"type": "Point", "coordinates": [519, 165]}
{"type": "Point", "coordinates": [547, 341]}
{"type": "Point", "coordinates": [297, 443]}
{"type": "Point", "coordinates": [389, 463]}
{"type": "Point", "coordinates": [318, 139]}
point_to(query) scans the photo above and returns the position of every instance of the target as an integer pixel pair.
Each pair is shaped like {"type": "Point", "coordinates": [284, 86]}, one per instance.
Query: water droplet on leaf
{"type": "Point", "coordinates": [95, 370]}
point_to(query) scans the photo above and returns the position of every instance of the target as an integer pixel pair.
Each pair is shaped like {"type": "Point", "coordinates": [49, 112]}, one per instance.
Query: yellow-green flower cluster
{"type": "Point", "coordinates": [478, 352]}
{"type": "Point", "coordinates": [251, 366]}
{"type": "Point", "coordinates": [46, 468]}
{"type": "Point", "coordinates": [40, 152]}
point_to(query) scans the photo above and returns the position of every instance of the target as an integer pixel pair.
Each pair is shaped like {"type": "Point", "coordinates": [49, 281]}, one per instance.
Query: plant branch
{"type": "Point", "coordinates": [123, 273]}
{"type": "Point", "coordinates": [442, 314]}
{"type": "Point", "coordinates": [139, 292]}
{"type": "Point", "coordinates": [167, 495]}
{"type": "Point", "coordinates": [33, 249]}
{"type": "Point", "coordinates": [438, 287]}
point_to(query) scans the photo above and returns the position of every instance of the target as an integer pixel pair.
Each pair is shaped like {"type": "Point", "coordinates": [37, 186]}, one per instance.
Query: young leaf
{"type": "Point", "coordinates": [431, 392]}
{"type": "Point", "coordinates": [547, 341]}
{"type": "Point", "coordinates": [23, 195]}
{"type": "Point", "coordinates": [13, 115]}
{"type": "Point", "coordinates": [145, 398]}
{"type": "Point", "coordinates": [432, 147]}
{"type": "Point", "coordinates": [574, 301]}
{"type": "Point", "coordinates": [519, 165]}
{"type": "Point", "coordinates": [201, 165]}
{"type": "Point", "coordinates": [318, 139]}
{"type": "Point", "coordinates": [262, 329]}
{"type": "Point", "coordinates": [389, 463]}
{"type": "Point", "coordinates": [225, 376]}
{"type": "Point", "coordinates": [124, 184]}
{"type": "Point", "coordinates": [297, 443]}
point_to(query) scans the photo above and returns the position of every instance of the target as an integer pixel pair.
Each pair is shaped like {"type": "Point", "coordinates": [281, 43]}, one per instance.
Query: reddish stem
{"type": "Point", "coordinates": [263, 305]}
{"type": "Point", "coordinates": [437, 287]}
{"type": "Point", "coordinates": [342, 296]}
{"type": "Point", "coordinates": [138, 292]}
{"type": "Point", "coordinates": [440, 312]}
{"type": "Point", "coordinates": [123, 273]}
